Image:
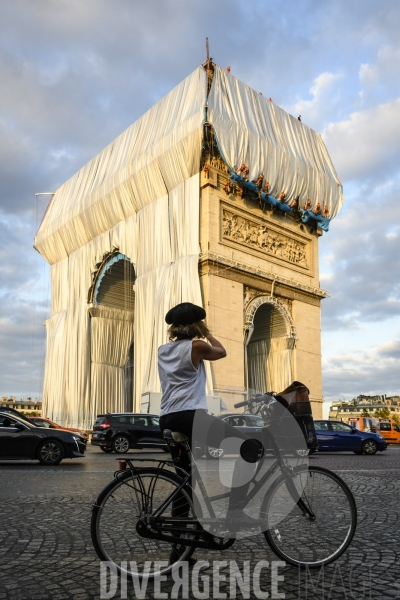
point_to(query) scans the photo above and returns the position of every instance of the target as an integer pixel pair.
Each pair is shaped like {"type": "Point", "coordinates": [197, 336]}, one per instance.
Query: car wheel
{"type": "Point", "coordinates": [369, 447]}
{"type": "Point", "coordinates": [120, 444]}
{"type": "Point", "coordinates": [105, 449]}
{"type": "Point", "coordinates": [214, 453]}
{"type": "Point", "coordinates": [50, 452]}
{"type": "Point", "coordinates": [357, 451]}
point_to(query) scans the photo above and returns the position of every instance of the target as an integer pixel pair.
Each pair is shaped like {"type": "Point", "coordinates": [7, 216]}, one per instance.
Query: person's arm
{"type": "Point", "coordinates": [203, 351]}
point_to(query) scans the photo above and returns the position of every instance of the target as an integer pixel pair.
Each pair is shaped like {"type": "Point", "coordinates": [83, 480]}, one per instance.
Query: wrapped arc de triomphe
{"type": "Point", "coordinates": [187, 205]}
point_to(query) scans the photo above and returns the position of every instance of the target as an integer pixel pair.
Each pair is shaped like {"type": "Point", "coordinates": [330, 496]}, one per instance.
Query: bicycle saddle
{"type": "Point", "coordinates": [176, 436]}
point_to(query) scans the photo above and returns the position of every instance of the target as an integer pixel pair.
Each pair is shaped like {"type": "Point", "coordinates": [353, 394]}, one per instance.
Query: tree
{"type": "Point", "coordinates": [365, 412]}
{"type": "Point", "coordinates": [396, 419]}
{"type": "Point", "coordinates": [382, 413]}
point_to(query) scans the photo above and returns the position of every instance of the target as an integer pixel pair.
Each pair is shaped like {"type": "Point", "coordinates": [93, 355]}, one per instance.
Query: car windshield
{"type": "Point", "coordinates": [385, 427]}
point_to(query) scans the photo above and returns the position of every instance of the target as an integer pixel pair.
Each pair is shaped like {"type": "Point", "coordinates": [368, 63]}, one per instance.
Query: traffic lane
{"type": "Point", "coordinates": [45, 536]}
{"type": "Point", "coordinates": [97, 461]}
{"type": "Point", "coordinates": [94, 459]}
{"type": "Point", "coordinates": [87, 476]}
{"type": "Point", "coordinates": [387, 461]}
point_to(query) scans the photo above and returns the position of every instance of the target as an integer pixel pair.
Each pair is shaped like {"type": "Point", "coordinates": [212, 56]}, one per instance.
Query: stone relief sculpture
{"type": "Point", "coordinates": [261, 237]}
{"type": "Point", "coordinates": [250, 294]}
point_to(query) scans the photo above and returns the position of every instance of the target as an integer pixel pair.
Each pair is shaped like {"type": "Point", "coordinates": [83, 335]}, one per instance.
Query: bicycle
{"type": "Point", "coordinates": [146, 511]}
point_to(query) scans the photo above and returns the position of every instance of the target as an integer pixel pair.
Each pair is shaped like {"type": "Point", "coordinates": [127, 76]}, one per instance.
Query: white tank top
{"type": "Point", "coordinates": [183, 386]}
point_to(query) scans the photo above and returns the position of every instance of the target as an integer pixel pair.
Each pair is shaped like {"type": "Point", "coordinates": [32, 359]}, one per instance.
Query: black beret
{"type": "Point", "coordinates": [185, 314]}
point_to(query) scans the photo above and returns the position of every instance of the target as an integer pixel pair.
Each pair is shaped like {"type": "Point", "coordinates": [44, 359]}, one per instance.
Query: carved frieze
{"type": "Point", "coordinates": [264, 238]}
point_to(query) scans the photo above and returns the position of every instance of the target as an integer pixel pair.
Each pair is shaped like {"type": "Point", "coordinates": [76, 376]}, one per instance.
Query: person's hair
{"type": "Point", "coordinates": [198, 329]}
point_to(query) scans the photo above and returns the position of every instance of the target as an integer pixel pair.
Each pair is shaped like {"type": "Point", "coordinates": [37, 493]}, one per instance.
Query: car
{"type": "Point", "coordinates": [119, 432]}
{"type": "Point", "coordinates": [44, 422]}
{"type": "Point", "coordinates": [22, 440]}
{"type": "Point", "coordinates": [336, 436]}
{"type": "Point", "coordinates": [249, 424]}
{"type": "Point", "coordinates": [389, 430]}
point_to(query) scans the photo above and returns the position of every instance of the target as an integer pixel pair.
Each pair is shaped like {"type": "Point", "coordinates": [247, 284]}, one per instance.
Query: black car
{"type": "Point", "coordinates": [24, 441]}
{"type": "Point", "coordinates": [249, 424]}
{"type": "Point", "coordinates": [118, 432]}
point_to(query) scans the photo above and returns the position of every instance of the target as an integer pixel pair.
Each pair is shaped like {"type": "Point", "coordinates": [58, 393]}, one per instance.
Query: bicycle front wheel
{"type": "Point", "coordinates": [297, 538]}
{"type": "Point", "coordinates": [116, 513]}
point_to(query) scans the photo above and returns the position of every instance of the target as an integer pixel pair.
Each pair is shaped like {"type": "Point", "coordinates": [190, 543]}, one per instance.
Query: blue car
{"type": "Point", "coordinates": [335, 436]}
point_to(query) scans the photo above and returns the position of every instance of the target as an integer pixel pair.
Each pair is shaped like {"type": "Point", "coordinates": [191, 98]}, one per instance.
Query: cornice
{"type": "Point", "coordinates": [210, 262]}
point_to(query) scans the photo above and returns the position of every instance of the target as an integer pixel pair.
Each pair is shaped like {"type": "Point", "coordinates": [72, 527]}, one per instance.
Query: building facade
{"type": "Point", "coordinates": [260, 284]}
{"type": "Point", "coordinates": [364, 406]}
{"type": "Point", "coordinates": [26, 406]}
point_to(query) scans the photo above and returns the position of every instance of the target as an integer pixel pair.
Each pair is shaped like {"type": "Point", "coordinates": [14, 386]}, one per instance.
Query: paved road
{"type": "Point", "coordinates": [46, 551]}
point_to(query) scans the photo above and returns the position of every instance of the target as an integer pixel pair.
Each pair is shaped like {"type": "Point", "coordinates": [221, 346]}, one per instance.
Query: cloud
{"type": "Point", "coordinates": [76, 74]}
{"type": "Point", "coordinates": [380, 78]}
{"type": "Point", "coordinates": [325, 97]}
{"type": "Point", "coordinates": [373, 371]}
{"type": "Point", "coordinates": [362, 272]}
{"type": "Point", "coordinates": [390, 350]}
{"type": "Point", "coordinates": [22, 345]}
{"type": "Point", "coordinates": [365, 147]}
{"type": "Point", "coordinates": [24, 297]}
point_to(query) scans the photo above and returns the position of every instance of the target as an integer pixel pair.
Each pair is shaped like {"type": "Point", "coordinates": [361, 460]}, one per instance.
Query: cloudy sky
{"type": "Point", "coordinates": [75, 74]}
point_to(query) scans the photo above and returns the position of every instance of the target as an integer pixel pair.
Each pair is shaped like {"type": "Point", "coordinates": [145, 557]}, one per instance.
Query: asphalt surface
{"type": "Point", "coordinates": [47, 554]}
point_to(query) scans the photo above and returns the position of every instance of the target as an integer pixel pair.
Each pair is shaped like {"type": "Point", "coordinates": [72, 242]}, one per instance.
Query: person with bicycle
{"type": "Point", "coordinates": [308, 515]}
{"type": "Point", "coordinates": [183, 382]}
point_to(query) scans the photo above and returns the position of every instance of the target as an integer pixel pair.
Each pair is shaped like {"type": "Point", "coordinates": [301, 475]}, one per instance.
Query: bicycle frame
{"type": "Point", "coordinates": [156, 526]}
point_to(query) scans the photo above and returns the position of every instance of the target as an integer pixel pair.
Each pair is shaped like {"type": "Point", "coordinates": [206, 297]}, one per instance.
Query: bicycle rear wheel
{"type": "Point", "coordinates": [116, 513]}
{"type": "Point", "coordinates": [295, 537]}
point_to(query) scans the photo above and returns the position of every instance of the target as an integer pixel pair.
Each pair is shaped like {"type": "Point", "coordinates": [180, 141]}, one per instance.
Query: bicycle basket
{"type": "Point", "coordinates": [286, 429]}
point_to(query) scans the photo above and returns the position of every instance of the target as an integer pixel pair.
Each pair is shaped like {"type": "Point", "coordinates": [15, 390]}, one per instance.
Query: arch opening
{"type": "Point", "coordinates": [113, 283]}
{"type": "Point", "coordinates": [112, 298]}
{"type": "Point", "coordinates": [269, 345]}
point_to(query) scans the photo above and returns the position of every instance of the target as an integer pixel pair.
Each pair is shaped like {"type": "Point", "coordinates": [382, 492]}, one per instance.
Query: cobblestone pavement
{"type": "Point", "coordinates": [47, 554]}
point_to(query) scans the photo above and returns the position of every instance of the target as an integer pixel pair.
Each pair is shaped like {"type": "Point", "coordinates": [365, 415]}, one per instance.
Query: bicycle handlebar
{"type": "Point", "coordinates": [240, 404]}
{"type": "Point", "coordinates": [254, 400]}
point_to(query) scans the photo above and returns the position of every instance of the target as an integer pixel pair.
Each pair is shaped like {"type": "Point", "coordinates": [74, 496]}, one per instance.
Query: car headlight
{"type": "Point", "coordinates": [77, 438]}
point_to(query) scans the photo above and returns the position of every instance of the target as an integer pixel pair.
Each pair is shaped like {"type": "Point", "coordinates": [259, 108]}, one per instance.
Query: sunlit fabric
{"type": "Point", "coordinates": [139, 198]}
{"type": "Point", "coordinates": [251, 129]}
{"type": "Point", "coordinates": [270, 364]}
